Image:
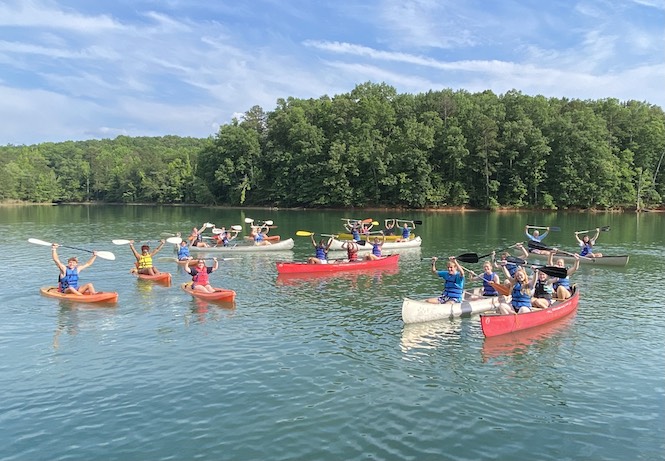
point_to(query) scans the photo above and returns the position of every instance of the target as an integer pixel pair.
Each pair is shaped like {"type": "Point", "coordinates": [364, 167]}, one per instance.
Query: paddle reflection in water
{"type": "Point", "coordinates": [519, 343]}
{"type": "Point", "coordinates": [428, 335]}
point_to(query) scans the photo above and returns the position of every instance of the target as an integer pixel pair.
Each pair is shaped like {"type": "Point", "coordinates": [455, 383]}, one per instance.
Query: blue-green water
{"type": "Point", "coordinates": [322, 368]}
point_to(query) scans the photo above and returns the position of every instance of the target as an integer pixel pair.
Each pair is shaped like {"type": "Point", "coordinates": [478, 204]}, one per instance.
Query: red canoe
{"type": "Point", "coordinates": [386, 262]}
{"type": "Point", "coordinates": [99, 297]}
{"type": "Point", "coordinates": [499, 324]}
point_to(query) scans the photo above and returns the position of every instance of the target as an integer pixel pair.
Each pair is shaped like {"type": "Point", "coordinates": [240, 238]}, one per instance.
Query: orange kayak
{"type": "Point", "coordinates": [99, 297]}
{"type": "Point", "coordinates": [219, 295]}
{"type": "Point", "coordinates": [162, 277]}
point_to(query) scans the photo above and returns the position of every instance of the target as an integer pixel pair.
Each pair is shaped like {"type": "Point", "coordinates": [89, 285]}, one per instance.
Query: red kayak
{"type": "Point", "coordinates": [99, 297]}
{"type": "Point", "coordinates": [499, 324]}
{"type": "Point", "coordinates": [284, 267]}
{"type": "Point", "coordinates": [219, 295]}
{"type": "Point", "coordinates": [162, 277]}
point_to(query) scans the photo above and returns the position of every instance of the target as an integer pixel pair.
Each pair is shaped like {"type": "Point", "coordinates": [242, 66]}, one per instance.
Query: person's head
{"type": "Point", "coordinates": [145, 248]}
{"type": "Point", "coordinates": [520, 275]}
{"type": "Point", "coordinates": [542, 276]}
{"type": "Point", "coordinates": [406, 225]}
{"type": "Point", "coordinates": [560, 263]}
{"type": "Point", "coordinates": [182, 244]}
{"type": "Point", "coordinates": [487, 267]}
{"type": "Point", "coordinates": [72, 262]}
{"type": "Point", "coordinates": [200, 264]}
{"type": "Point", "coordinates": [586, 239]}
{"type": "Point", "coordinates": [376, 240]}
{"type": "Point", "coordinates": [505, 255]}
{"type": "Point", "coordinates": [536, 233]}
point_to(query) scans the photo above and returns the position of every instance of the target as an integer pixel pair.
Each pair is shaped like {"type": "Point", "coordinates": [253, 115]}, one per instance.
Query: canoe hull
{"type": "Point", "coordinates": [387, 262]}
{"type": "Point", "coordinates": [417, 311]}
{"type": "Point", "coordinates": [620, 260]}
{"type": "Point", "coordinates": [500, 324]}
{"type": "Point", "coordinates": [99, 297]}
{"type": "Point", "coordinates": [336, 245]}
{"type": "Point", "coordinates": [287, 244]}
{"type": "Point", "coordinates": [222, 295]}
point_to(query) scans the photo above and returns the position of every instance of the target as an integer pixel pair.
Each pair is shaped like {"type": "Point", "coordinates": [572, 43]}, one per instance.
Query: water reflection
{"type": "Point", "coordinates": [73, 317]}
{"type": "Point", "coordinates": [520, 342]}
{"type": "Point", "coordinates": [201, 311]}
{"type": "Point", "coordinates": [355, 279]}
{"type": "Point", "coordinates": [429, 335]}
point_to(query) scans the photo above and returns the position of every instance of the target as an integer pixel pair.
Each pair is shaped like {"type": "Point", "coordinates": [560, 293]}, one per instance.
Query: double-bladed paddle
{"type": "Point", "coordinates": [175, 240]}
{"type": "Point", "coordinates": [540, 246]}
{"type": "Point", "coordinates": [602, 229]}
{"type": "Point", "coordinates": [102, 254]}
{"type": "Point", "coordinates": [552, 228]}
{"type": "Point", "coordinates": [474, 258]}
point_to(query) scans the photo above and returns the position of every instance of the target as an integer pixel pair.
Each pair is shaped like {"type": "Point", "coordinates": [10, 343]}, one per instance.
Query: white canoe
{"type": "Point", "coordinates": [601, 261]}
{"type": "Point", "coordinates": [243, 247]}
{"type": "Point", "coordinates": [416, 311]}
{"type": "Point", "coordinates": [367, 247]}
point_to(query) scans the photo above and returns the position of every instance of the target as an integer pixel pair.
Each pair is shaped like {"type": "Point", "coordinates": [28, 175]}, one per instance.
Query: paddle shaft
{"type": "Point", "coordinates": [552, 228]}
{"type": "Point", "coordinates": [602, 229]}
{"type": "Point", "coordinates": [102, 254]}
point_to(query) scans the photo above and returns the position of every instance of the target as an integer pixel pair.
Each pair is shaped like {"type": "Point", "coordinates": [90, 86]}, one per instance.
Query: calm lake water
{"type": "Point", "coordinates": [323, 367]}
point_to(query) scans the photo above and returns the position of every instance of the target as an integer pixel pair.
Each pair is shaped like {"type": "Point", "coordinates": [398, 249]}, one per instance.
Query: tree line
{"type": "Point", "coordinates": [372, 147]}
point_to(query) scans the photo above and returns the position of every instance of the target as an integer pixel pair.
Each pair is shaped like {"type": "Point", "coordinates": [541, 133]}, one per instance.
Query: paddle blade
{"type": "Point", "coordinates": [39, 242]}
{"type": "Point", "coordinates": [120, 242]}
{"type": "Point", "coordinates": [236, 227]}
{"type": "Point", "coordinates": [249, 220]}
{"type": "Point", "coordinates": [605, 228]}
{"type": "Point", "coordinates": [106, 255]}
{"type": "Point", "coordinates": [501, 289]}
{"type": "Point", "coordinates": [538, 246]}
{"type": "Point", "coordinates": [515, 260]}
{"type": "Point", "coordinates": [554, 271]}
{"type": "Point", "coordinates": [417, 221]}
{"type": "Point", "coordinates": [375, 223]}
{"type": "Point", "coordinates": [468, 258]}
{"type": "Point", "coordinates": [302, 233]}
{"type": "Point", "coordinates": [175, 240]}
{"type": "Point", "coordinates": [268, 222]}
{"type": "Point", "coordinates": [362, 242]}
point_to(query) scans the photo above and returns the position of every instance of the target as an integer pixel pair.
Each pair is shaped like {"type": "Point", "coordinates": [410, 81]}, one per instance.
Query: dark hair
{"type": "Point", "coordinates": [144, 247]}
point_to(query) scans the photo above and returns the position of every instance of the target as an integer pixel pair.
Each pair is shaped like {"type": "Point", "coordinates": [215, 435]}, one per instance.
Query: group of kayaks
{"type": "Point", "coordinates": [413, 310]}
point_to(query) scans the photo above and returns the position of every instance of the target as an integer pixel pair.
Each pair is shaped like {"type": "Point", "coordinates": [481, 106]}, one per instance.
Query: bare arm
{"type": "Point", "coordinates": [54, 255]}
{"type": "Point", "coordinates": [89, 263]}
{"type": "Point", "coordinates": [595, 237]}
{"type": "Point", "coordinates": [136, 253]}
{"type": "Point", "coordinates": [458, 265]}
{"type": "Point", "coordinates": [576, 266]}
{"type": "Point", "coordinates": [525, 253]}
{"type": "Point", "coordinates": [156, 250]}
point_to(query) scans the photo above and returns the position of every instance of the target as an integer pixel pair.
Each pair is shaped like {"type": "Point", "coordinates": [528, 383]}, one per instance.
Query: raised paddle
{"type": "Point", "coordinates": [602, 229]}
{"type": "Point", "coordinates": [302, 233]}
{"type": "Point", "coordinates": [474, 258]}
{"type": "Point", "coordinates": [414, 221]}
{"type": "Point", "coordinates": [102, 254]}
{"type": "Point", "coordinates": [552, 228]}
{"type": "Point", "coordinates": [539, 246]}
{"type": "Point", "coordinates": [175, 240]}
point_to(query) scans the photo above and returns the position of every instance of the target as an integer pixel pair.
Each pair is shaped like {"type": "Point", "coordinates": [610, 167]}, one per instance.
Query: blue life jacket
{"type": "Point", "coordinates": [520, 299]}
{"type": "Point", "coordinates": [70, 279]}
{"type": "Point", "coordinates": [321, 252]}
{"type": "Point", "coordinates": [488, 290]}
{"type": "Point", "coordinates": [454, 286]}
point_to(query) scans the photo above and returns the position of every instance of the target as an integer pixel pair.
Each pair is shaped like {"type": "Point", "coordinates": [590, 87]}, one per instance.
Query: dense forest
{"type": "Point", "coordinates": [372, 147]}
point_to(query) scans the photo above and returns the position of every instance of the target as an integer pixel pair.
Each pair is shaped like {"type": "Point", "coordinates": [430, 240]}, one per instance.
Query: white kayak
{"type": "Point", "coordinates": [367, 247]}
{"type": "Point", "coordinates": [246, 247]}
{"type": "Point", "coordinates": [416, 311]}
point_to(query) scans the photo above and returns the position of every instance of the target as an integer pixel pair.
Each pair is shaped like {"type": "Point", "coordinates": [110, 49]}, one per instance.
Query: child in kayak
{"type": "Point", "coordinates": [144, 259]}
{"type": "Point", "coordinates": [68, 281]}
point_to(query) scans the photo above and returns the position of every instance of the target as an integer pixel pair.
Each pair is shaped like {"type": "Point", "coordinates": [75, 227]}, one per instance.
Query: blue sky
{"type": "Point", "coordinates": [86, 69]}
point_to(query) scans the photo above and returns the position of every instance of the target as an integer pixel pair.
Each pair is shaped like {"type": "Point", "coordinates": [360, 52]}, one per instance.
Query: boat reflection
{"type": "Point", "coordinates": [353, 277]}
{"type": "Point", "coordinates": [203, 310]}
{"type": "Point", "coordinates": [519, 342]}
{"type": "Point", "coordinates": [429, 335]}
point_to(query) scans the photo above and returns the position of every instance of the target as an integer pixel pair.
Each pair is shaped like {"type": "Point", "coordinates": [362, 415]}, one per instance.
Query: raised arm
{"type": "Point", "coordinates": [156, 250]}
{"type": "Point", "coordinates": [89, 263]}
{"type": "Point", "coordinates": [525, 253]}
{"type": "Point", "coordinates": [458, 265]}
{"type": "Point", "coordinates": [595, 237]}
{"type": "Point", "coordinates": [54, 255]}
{"type": "Point", "coordinates": [579, 240]}
{"type": "Point", "coordinates": [136, 253]}
{"type": "Point", "coordinates": [576, 266]}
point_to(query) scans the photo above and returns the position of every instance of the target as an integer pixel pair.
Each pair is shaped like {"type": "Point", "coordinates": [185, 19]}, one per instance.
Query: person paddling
{"type": "Point", "coordinates": [68, 280]}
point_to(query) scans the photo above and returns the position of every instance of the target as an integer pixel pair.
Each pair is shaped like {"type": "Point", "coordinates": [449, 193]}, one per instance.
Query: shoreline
{"type": "Point", "coordinates": [16, 203]}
